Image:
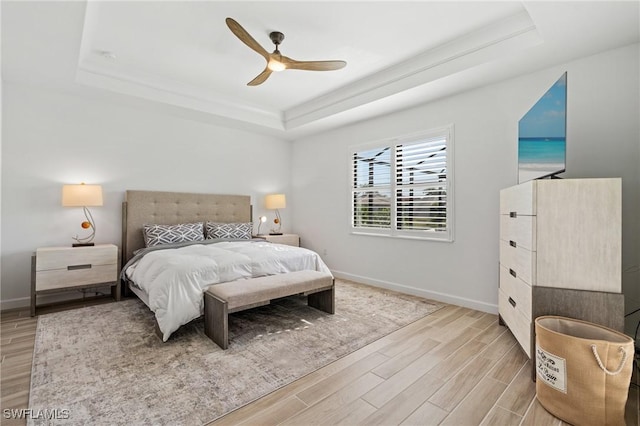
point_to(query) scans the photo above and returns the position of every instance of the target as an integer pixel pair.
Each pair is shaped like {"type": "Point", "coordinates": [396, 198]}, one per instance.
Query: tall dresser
{"type": "Point", "coordinates": [560, 254]}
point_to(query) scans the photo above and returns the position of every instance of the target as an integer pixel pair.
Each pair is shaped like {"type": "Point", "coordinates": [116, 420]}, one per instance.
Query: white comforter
{"type": "Point", "coordinates": [175, 279]}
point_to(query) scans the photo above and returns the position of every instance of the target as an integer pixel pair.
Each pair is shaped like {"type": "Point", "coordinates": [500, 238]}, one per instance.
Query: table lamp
{"type": "Point", "coordinates": [275, 202]}
{"type": "Point", "coordinates": [83, 196]}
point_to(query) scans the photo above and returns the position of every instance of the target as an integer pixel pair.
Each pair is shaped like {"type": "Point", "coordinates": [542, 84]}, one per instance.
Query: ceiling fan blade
{"type": "Point", "coordinates": [246, 38]}
{"type": "Point", "coordinates": [261, 78]}
{"type": "Point", "coordinates": [292, 64]}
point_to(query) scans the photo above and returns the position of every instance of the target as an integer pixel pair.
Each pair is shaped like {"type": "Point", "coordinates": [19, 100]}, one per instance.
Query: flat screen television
{"type": "Point", "coordinates": [542, 135]}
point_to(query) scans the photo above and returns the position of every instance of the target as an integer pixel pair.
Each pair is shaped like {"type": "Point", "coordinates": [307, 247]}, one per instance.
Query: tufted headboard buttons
{"type": "Point", "coordinates": [170, 208]}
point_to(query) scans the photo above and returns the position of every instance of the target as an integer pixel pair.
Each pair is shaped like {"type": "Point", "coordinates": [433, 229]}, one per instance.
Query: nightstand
{"type": "Point", "coordinates": [58, 269]}
{"type": "Point", "coordinates": [288, 239]}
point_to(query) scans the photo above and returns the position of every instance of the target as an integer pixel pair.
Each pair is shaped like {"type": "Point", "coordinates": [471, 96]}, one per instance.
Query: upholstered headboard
{"type": "Point", "coordinates": [170, 208]}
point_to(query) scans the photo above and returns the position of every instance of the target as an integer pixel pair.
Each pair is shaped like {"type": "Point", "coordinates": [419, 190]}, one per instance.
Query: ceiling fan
{"type": "Point", "coordinates": [276, 61]}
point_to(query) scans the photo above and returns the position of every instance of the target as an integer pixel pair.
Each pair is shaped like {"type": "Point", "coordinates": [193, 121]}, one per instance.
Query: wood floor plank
{"type": "Point", "coordinates": [501, 417]}
{"type": "Point", "coordinates": [340, 379]}
{"type": "Point", "coordinates": [455, 341]}
{"type": "Point", "coordinates": [408, 342]}
{"type": "Point", "coordinates": [356, 413]}
{"type": "Point", "coordinates": [333, 407]}
{"type": "Point", "coordinates": [491, 333]}
{"type": "Point", "coordinates": [499, 347]}
{"type": "Point", "coordinates": [451, 316]}
{"type": "Point", "coordinates": [400, 361]}
{"type": "Point", "coordinates": [485, 321]}
{"type": "Point", "coordinates": [477, 404]}
{"type": "Point", "coordinates": [460, 385]}
{"type": "Point", "coordinates": [536, 415]}
{"type": "Point", "coordinates": [427, 414]}
{"type": "Point", "coordinates": [277, 413]}
{"type": "Point", "coordinates": [400, 381]}
{"type": "Point", "coordinates": [510, 365]}
{"type": "Point", "coordinates": [448, 367]}
{"type": "Point", "coordinates": [520, 392]}
{"type": "Point", "coordinates": [445, 332]}
{"type": "Point", "coordinates": [406, 402]}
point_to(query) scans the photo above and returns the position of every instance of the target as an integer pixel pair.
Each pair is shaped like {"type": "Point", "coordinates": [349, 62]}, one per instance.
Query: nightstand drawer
{"type": "Point", "coordinates": [62, 257]}
{"type": "Point", "coordinates": [65, 278]}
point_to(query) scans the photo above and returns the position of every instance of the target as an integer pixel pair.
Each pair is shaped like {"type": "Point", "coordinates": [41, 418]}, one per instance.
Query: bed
{"type": "Point", "coordinates": [171, 278]}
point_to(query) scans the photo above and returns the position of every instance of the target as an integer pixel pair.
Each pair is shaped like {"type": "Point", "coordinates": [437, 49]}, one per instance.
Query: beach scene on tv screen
{"type": "Point", "coordinates": [542, 135]}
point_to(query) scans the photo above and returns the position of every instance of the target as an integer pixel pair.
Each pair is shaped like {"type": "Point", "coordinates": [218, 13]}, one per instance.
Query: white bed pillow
{"type": "Point", "coordinates": [165, 234]}
{"type": "Point", "coordinates": [237, 231]}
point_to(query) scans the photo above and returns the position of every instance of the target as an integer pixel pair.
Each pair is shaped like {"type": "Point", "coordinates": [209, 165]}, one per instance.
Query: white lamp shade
{"type": "Point", "coordinates": [275, 201]}
{"type": "Point", "coordinates": [81, 195]}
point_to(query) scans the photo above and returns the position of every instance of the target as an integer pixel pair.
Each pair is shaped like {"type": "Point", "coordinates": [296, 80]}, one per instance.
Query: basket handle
{"type": "Point", "coordinates": [619, 369]}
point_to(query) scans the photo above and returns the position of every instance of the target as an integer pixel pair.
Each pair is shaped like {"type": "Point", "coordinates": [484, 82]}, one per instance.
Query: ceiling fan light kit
{"type": "Point", "coordinates": [276, 61]}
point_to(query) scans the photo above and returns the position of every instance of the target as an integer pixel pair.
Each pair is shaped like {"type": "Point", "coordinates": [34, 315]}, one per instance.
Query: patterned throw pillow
{"type": "Point", "coordinates": [165, 234]}
{"type": "Point", "coordinates": [240, 231]}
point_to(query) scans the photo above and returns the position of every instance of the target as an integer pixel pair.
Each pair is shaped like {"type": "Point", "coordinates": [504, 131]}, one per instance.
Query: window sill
{"type": "Point", "coordinates": [443, 239]}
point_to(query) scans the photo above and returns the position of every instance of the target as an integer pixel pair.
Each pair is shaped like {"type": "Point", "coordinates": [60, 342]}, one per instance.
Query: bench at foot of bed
{"type": "Point", "coordinates": [222, 299]}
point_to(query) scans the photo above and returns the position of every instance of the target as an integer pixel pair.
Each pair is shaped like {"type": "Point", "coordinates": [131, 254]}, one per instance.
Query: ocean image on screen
{"type": "Point", "coordinates": [542, 135]}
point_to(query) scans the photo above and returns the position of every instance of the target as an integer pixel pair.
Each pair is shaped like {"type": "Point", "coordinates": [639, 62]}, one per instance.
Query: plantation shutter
{"type": "Point", "coordinates": [421, 185]}
{"type": "Point", "coordinates": [403, 188]}
{"type": "Point", "coordinates": [371, 191]}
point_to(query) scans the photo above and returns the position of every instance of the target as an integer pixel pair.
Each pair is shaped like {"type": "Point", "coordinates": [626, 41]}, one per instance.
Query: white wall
{"type": "Point", "coordinates": [52, 138]}
{"type": "Point", "coordinates": [603, 141]}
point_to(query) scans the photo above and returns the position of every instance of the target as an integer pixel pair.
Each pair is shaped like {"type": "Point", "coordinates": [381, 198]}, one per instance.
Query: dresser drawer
{"type": "Point", "coordinates": [517, 290]}
{"type": "Point", "coordinates": [62, 257]}
{"type": "Point", "coordinates": [519, 230]}
{"type": "Point", "coordinates": [520, 262]}
{"type": "Point", "coordinates": [519, 324]}
{"type": "Point", "coordinates": [67, 278]}
{"type": "Point", "coordinates": [519, 200]}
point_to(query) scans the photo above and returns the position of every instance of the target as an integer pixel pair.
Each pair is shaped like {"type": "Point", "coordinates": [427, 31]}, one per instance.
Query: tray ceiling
{"type": "Point", "coordinates": [182, 55]}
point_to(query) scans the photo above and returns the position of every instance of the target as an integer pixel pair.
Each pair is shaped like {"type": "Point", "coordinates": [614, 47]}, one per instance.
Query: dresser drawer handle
{"type": "Point", "coordinates": [74, 267]}
{"type": "Point", "coordinates": [513, 273]}
{"type": "Point", "coordinates": [513, 214]}
{"type": "Point", "coordinates": [512, 243]}
{"type": "Point", "coordinates": [513, 302]}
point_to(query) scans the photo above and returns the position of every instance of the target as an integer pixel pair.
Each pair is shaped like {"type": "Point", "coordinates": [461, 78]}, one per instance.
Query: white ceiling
{"type": "Point", "coordinates": [181, 56]}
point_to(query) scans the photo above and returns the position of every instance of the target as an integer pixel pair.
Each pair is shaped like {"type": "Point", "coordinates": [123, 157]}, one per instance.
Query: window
{"type": "Point", "coordinates": [403, 187]}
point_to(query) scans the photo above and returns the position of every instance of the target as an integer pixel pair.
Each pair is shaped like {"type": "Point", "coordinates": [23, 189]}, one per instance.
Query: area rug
{"type": "Point", "coordinates": [104, 364]}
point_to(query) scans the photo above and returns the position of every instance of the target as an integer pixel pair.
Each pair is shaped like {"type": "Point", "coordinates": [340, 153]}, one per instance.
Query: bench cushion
{"type": "Point", "coordinates": [256, 290]}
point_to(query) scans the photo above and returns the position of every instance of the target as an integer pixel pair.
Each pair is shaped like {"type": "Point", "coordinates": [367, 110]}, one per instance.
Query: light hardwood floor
{"type": "Point", "coordinates": [454, 367]}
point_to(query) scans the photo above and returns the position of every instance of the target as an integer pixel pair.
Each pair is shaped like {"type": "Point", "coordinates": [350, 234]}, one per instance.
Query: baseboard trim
{"type": "Point", "coordinates": [21, 302]}
{"type": "Point", "coordinates": [434, 295]}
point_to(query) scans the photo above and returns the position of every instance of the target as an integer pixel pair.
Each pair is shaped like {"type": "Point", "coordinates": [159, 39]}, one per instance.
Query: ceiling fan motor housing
{"type": "Point", "coordinates": [276, 37]}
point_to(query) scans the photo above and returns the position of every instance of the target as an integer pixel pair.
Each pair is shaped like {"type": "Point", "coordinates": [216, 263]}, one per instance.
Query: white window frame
{"type": "Point", "coordinates": [446, 235]}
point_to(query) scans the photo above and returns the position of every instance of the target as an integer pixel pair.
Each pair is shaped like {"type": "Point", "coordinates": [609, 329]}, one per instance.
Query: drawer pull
{"type": "Point", "coordinates": [74, 267]}
{"type": "Point", "coordinates": [512, 243]}
{"type": "Point", "coordinates": [513, 273]}
{"type": "Point", "coordinates": [513, 302]}
{"type": "Point", "coordinates": [513, 214]}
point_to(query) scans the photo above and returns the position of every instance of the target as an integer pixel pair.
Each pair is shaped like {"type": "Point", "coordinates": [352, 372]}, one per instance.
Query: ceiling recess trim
{"type": "Point", "coordinates": [497, 40]}
{"type": "Point", "coordinates": [501, 38]}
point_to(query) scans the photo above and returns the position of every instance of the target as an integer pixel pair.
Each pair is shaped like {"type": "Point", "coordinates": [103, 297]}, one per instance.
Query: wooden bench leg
{"type": "Point", "coordinates": [323, 300]}
{"type": "Point", "coordinates": [216, 320]}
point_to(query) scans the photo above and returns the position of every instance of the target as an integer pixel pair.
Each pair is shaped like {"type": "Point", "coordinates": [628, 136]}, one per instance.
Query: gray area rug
{"type": "Point", "coordinates": [105, 365]}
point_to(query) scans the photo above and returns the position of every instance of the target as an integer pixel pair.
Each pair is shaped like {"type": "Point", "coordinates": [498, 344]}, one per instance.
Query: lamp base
{"type": "Point", "coordinates": [275, 233]}
{"type": "Point", "coordinates": [82, 244]}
